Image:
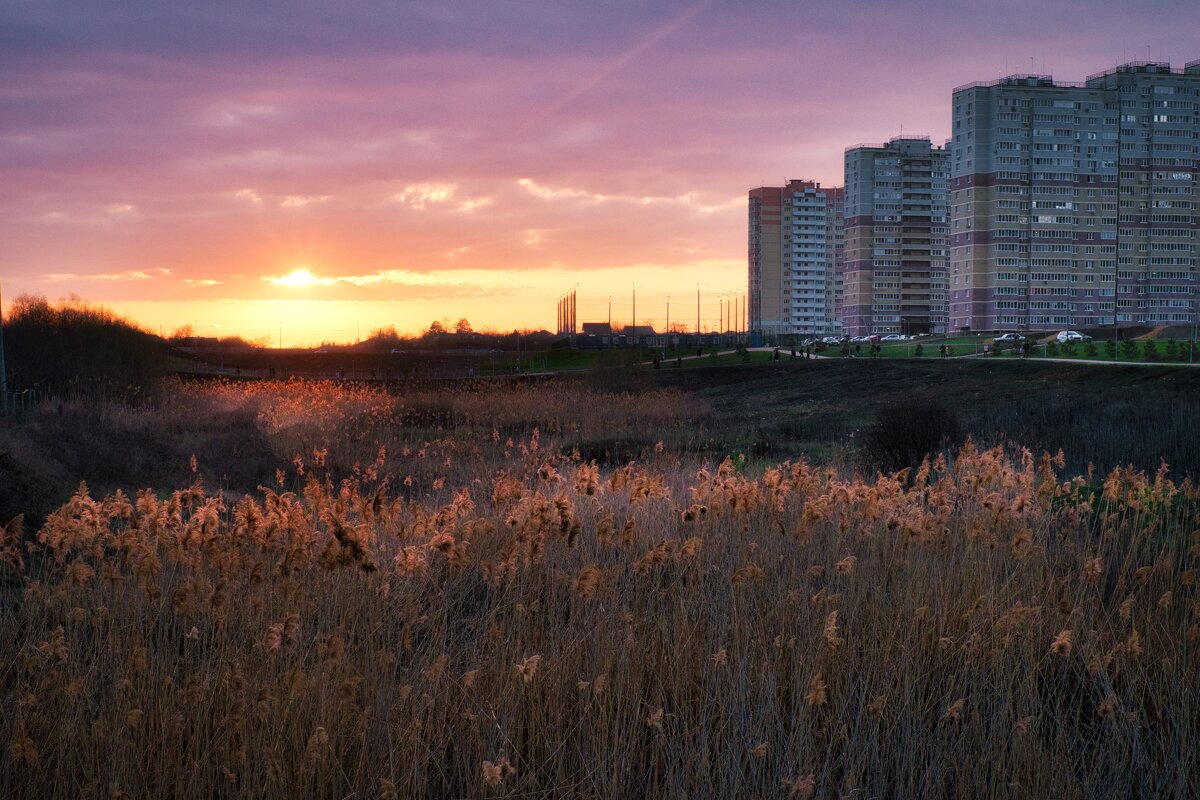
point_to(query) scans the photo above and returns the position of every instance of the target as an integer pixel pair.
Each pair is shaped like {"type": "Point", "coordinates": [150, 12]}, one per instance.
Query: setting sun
{"type": "Point", "coordinates": [297, 277]}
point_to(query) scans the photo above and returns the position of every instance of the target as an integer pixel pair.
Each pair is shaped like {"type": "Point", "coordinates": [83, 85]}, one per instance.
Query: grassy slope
{"type": "Point", "coordinates": [1105, 414]}
{"type": "Point", "coordinates": [768, 411]}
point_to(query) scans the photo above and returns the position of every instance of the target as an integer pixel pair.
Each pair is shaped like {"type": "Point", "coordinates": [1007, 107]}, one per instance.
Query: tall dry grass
{"type": "Point", "coordinates": [533, 625]}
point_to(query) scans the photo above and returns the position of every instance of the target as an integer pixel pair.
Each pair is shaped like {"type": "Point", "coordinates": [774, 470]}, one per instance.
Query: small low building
{"type": "Point", "coordinates": [597, 329]}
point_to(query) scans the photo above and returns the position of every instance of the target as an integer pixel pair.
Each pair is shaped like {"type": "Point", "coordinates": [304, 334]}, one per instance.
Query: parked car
{"type": "Point", "coordinates": [894, 337]}
{"type": "Point", "coordinates": [1071, 336]}
{"type": "Point", "coordinates": [860, 339]}
{"type": "Point", "coordinates": [1015, 338]}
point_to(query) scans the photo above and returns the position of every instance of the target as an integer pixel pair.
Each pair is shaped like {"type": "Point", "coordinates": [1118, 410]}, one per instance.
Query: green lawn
{"type": "Point", "coordinates": [930, 347]}
{"type": "Point", "coordinates": [1161, 353]}
{"type": "Point", "coordinates": [564, 358]}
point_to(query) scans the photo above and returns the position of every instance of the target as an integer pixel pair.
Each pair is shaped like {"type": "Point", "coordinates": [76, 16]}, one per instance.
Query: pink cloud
{"type": "Point", "coordinates": [230, 141]}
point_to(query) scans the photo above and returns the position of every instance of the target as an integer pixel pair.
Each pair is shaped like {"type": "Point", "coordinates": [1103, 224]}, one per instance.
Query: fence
{"type": "Point", "coordinates": [17, 402]}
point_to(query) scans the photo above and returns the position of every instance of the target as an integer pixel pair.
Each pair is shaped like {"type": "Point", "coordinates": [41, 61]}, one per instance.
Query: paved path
{"type": "Point", "coordinates": [784, 354]}
{"type": "Point", "coordinates": [1101, 362]}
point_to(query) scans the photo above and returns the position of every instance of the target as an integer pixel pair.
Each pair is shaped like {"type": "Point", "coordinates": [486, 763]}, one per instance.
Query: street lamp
{"type": "Point", "coordinates": [574, 307]}
{"type": "Point", "coordinates": [3, 371]}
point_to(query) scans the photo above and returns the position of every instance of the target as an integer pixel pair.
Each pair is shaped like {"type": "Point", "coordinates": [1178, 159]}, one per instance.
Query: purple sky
{"type": "Point", "coordinates": [478, 159]}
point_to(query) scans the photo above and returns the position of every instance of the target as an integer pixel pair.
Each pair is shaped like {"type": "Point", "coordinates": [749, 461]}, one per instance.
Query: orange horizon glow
{"type": "Point", "coordinates": [301, 315]}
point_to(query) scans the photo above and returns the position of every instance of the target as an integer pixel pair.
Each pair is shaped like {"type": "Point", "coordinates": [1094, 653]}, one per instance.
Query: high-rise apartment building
{"type": "Point", "coordinates": [1068, 197]}
{"type": "Point", "coordinates": [795, 247]}
{"type": "Point", "coordinates": [894, 276]}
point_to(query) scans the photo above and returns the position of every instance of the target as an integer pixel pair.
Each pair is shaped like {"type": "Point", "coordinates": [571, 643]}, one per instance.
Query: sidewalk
{"type": "Point", "coordinates": [1099, 362]}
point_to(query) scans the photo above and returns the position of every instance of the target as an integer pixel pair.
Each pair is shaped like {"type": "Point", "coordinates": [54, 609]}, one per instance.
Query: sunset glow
{"type": "Point", "coordinates": [298, 277]}
{"type": "Point", "coordinates": [401, 164]}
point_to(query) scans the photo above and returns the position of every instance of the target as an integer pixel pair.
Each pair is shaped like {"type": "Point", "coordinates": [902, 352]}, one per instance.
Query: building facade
{"type": "Point", "coordinates": [795, 248]}
{"type": "Point", "coordinates": [895, 267]}
{"type": "Point", "coordinates": [1068, 198]}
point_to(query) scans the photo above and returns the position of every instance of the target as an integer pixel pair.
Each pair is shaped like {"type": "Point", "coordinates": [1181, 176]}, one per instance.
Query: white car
{"type": "Point", "coordinates": [1064, 337]}
{"type": "Point", "coordinates": [1009, 337]}
{"type": "Point", "coordinates": [894, 337]}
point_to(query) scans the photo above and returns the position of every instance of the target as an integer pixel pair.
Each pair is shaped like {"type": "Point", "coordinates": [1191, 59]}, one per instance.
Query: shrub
{"type": "Point", "coordinates": [72, 348]}
{"type": "Point", "coordinates": [1150, 350]}
{"type": "Point", "coordinates": [1129, 349]}
{"type": "Point", "coordinates": [1110, 348]}
{"type": "Point", "coordinates": [920, 351]}
{"type": "Point", "coordinates": [1052, 348]}
{"type": "Point", "coordinates": [1090, 350]}
{"type": "Point", "coordinates": [906, 432]}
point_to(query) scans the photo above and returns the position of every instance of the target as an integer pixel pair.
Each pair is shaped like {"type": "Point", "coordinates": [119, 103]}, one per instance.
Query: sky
{"type": "Point", "coordinates": [306, 171]}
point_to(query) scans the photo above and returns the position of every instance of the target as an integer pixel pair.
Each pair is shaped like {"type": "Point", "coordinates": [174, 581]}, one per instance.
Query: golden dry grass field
{"type": "Point", "coordinates": [442, 596]}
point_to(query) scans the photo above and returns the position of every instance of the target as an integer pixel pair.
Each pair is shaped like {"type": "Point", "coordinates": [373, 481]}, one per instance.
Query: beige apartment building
{"type": "Point", "coordinates": [795, 247]}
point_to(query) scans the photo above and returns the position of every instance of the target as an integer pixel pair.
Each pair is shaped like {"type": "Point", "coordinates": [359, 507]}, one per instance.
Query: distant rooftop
{"type": "Point", "coordinates": [1148, 67]}
{"type": "Point", "coordinates": [792, 183]}
{"type": "Point", "coordinates": [894, 142]}
{"type": "Point", "coordinates": [597, 328]}
{"type": "Point", "coordinates": [1047, 81]}
{"type": "Point", "coordinates": [1021, 80]}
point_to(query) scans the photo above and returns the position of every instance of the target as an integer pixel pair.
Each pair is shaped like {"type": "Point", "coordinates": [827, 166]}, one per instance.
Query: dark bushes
{"type": "Point", "coordinates": [905, 432]}
{"type": "Point", "coordinates": [71, 348]}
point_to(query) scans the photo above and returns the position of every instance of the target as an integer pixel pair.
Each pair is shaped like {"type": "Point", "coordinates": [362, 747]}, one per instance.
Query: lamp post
{"type": "Point", "coordinates": [612, 339]}
{"type": "Point", "coordinates": [3, 371]}
{"type": "Point", "coordinates": [1117, 239]}
{"type": "Point", "coordinates": [727, 322]}
{"type": "Point", "coordinates": [1191, 350]}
